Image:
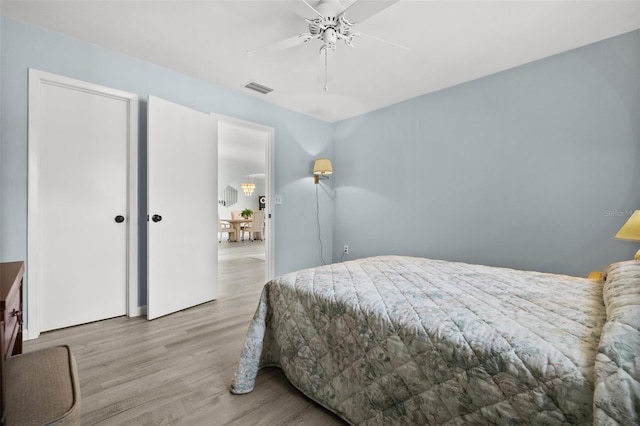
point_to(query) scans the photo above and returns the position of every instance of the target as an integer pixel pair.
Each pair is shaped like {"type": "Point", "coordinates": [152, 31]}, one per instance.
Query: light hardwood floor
{"type": "Point", "coordinates": [176, 370]}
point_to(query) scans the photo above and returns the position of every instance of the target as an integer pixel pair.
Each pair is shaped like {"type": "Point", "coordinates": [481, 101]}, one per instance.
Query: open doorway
{"type": "Point", "coordinates": [245, 165]}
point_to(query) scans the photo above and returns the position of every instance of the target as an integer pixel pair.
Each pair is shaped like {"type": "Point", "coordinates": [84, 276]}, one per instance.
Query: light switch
{"type": "Point", "coordinates": [277, 199]}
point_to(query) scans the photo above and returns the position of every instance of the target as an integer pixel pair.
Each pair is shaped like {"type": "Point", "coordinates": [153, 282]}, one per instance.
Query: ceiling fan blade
{"type": "Point", "coordinates": [384, 41]}
{"type": "Point", "coordinates": [361, 10]}
{"type": "Point", "coordinates": [280, 45]}
{"type": "Point", "coordinates": [311, 7]}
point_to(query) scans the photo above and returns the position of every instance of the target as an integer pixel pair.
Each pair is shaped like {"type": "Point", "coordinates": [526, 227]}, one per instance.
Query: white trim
{"type": "Point", "coordinates": [36, 80]}
{"type": "Point", "coordinates": [139, 311]}
{"type": "Point", "coordinates": [269, 135]}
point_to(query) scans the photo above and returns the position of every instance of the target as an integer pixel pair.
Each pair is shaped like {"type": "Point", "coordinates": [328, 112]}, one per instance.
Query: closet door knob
{"type": "Point", "coordinates": [119, 219]}
{"type": "Point", "coordinates": [156, 218]}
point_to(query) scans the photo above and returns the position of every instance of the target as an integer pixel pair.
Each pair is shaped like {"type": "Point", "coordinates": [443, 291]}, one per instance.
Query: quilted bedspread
{"type": "Point", "coordinates": [403, 340]}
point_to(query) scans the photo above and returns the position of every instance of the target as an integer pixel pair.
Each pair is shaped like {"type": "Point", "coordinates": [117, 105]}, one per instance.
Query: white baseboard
{"type": "Point", "coordinates": [140, 311]}
{"type": "Point", "coordinates": [26, 336]}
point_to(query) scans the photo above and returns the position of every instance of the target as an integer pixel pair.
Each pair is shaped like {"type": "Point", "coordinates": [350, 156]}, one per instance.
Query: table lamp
{"type": "Point", "coordinates": [630, 231]}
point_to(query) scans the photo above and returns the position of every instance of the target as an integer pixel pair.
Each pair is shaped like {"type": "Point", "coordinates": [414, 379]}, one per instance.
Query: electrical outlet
{"type": "Point", "coordinates": [345, 250]}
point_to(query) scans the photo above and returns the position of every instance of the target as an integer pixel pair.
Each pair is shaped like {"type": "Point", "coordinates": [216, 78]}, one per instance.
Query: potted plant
{"type": "Point", "coordinates": [246, 213]}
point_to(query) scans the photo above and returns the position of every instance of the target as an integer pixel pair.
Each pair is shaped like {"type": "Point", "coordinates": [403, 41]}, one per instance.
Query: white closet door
{"type": "Point", "coordinates": [78, 185]}
{"type": "Point", "coordinates": [182, 206]}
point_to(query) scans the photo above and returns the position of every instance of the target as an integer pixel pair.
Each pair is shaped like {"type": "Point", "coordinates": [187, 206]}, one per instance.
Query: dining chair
{"type": "Point", "coordinates": [224, 226]}
{"type": "Point", "coordinates": [256, 226]}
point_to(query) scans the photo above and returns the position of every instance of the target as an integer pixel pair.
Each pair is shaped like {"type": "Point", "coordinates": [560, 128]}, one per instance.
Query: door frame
{"type": "Point", "coordinates": [38, 79]}
{"type": "Point", "coordinates": [269, 139]}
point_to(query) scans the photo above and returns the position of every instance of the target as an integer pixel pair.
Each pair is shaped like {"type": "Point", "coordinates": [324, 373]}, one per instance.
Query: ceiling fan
{"type": "Point", "coordinates": [330, 26]}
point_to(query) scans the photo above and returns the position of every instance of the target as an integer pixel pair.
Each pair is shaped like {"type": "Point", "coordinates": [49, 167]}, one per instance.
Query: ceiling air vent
{"type": "Point", "coordinates": [258, 87]}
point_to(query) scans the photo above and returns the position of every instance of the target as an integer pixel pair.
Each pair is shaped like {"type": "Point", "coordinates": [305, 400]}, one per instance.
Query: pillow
{"type": "Point", "coordinates": [616, 398]}
{"type": "Point", "coordinates": [621, 289]}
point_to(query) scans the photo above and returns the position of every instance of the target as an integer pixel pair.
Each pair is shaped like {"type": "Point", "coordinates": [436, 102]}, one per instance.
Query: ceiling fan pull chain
{"type": "Point", "coordinates": [326, 69]}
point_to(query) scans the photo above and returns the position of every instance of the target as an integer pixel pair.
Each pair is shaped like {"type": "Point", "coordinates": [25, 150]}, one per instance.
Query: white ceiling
{"type": "Point", "coordinates": [450, 42]}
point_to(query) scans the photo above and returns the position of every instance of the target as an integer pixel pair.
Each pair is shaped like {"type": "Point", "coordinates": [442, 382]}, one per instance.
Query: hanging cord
{"type": "Point", "coordinates": [326, 69]}
{"type": "Point", "coordinates": [318, 219]}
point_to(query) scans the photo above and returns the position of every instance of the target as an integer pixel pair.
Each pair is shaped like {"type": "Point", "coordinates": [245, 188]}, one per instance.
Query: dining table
{"type": "Point", "coordinates": [237, 224]}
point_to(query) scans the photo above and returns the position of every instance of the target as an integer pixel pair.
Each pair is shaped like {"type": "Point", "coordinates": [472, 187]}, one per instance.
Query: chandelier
{"type": "Point", "coordinates": [247, 188]}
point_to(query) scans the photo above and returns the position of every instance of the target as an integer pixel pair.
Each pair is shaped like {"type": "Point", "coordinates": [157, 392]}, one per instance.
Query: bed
{"type": "Point", "coordinates": [406, 340]}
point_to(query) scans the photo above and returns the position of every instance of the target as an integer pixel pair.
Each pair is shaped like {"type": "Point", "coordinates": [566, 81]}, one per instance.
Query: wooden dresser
{"type": "Point", "coordinates": [11, 274]}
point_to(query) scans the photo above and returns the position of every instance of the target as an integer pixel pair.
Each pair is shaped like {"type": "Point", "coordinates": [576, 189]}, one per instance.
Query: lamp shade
{"type": "Point", "coordinates": [322, 166]}
{"type": "Point", "coordinates": [630, 231]}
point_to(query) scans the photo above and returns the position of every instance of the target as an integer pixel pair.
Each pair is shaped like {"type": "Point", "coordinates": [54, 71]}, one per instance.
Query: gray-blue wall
{"type": "Point", "coordinates": [299, 139]}
{"type": "Point", "coordinates": [1, 147]}
{"type": "Point", "coordinates": [530, 168]}
{"type": "Point", "coordinates": [534, 168]}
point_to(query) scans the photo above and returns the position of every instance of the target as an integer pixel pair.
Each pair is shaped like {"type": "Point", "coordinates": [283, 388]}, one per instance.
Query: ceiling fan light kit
{"type": "Point", "coordinates": [330, 25]}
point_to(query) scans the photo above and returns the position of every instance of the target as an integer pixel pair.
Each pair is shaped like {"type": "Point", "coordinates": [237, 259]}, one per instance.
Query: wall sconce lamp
{"type": "Point", "coordinates": [321, 169]}
{"type": "Point", "coordinates": [630, 231]}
